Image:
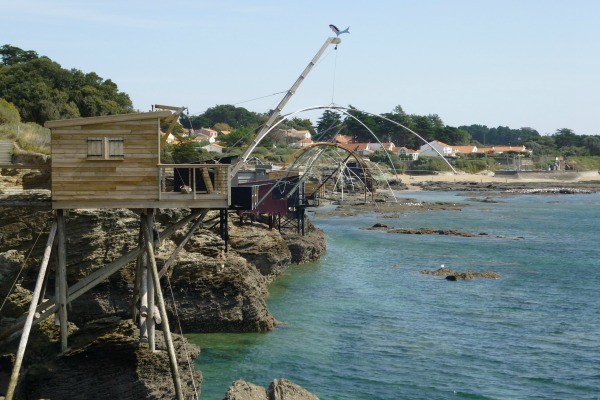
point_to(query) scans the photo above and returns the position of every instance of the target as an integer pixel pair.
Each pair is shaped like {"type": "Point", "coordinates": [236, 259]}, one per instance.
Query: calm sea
{"type": "Point", "coordinates": [363, 323]}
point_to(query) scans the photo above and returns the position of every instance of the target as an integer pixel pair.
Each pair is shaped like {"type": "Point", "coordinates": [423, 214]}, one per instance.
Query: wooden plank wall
{"type": "Point", "coordinates": [135, 177]}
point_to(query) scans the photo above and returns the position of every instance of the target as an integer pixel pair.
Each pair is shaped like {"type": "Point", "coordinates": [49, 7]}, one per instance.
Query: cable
{"type": "Point", "coordinates": [21, 270]}
{"type": "Point", "coordinates": [187, 354]}
{"type": "Point", "coordinates": [258, 98]}
{"type": "Point", "coordinates": [334, 71]}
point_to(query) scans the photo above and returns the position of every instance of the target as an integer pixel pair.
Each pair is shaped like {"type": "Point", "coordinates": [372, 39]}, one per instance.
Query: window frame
{"type": "Point", "coordinates": [110, 148]}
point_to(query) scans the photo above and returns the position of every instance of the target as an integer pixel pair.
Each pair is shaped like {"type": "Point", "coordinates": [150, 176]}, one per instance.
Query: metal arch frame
{"type": "Point", "coordinates": [305, 150]}
{"type": "Point", "coordinates": [346, 111]}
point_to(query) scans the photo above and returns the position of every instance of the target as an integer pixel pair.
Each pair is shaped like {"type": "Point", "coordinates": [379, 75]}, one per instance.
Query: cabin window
{"type": "Point", "coordinates": [105, 149]}
{"type": "Point", "coordinates": [115, 149]}
{"type": "Point", "coordinates": [94, 147]}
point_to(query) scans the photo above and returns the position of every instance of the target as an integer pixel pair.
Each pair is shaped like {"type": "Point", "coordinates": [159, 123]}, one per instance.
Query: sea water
{"type": "Point", "coordinates": [363, 323]}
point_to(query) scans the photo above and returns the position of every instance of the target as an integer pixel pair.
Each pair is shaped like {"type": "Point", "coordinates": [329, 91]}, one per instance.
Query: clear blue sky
{"type": "Point", "coordinates": [531, 63]}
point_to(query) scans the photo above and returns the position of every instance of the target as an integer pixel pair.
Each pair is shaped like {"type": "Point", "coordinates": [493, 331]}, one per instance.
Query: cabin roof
{"type": "Point", "coordinates": [107, 118]}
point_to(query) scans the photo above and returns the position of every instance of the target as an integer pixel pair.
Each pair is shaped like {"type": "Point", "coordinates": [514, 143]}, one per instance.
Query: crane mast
{"type": "Point", "coordinates": [277, 111]}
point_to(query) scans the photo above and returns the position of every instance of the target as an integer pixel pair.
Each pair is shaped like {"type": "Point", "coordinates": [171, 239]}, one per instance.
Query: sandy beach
{"type": "Point", "coordinates": [412, 181]}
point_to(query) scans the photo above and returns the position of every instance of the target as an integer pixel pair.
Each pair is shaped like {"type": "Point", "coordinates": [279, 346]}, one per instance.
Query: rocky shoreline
{"type": "Point", "coordinates": [214, 291]}
{"type": "Point", "coordinates": [513, 187]}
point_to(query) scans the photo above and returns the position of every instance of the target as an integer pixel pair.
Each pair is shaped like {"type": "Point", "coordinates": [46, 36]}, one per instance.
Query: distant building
{"type": "Point", "coordinates": [342, 139]}
{"type": "Point", "coordinates": [363, 149]}
{"type": "Point", "coordinates": [302, 143]}
{"type": "Point", "coordinates": [429, 149]}
{"type": "Point", "coordinates": [389, 146]}
{"type": "Point", "coordinates": [506, 149]}
{"type": "Point", "coordinates": [200, 137]}
{"type": "Point", "coordinates": [214, 148]}
{"type": "Point", "coordinates": [464, 150]}
{"type": "Point", "coordinates": [407, 154]}
{"type": "Point", "coordinates": [295, 134]}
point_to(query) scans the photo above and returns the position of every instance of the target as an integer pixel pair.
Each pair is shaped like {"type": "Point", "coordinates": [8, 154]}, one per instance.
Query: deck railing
{"type": "Point", "coordinates": [193, 181]}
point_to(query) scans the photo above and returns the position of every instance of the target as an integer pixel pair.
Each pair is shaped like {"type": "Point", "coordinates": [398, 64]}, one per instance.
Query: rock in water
{"type": "Point", "coordinates": [280, 389]}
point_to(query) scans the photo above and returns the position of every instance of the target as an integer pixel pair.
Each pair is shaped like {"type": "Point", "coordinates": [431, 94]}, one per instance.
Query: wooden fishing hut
{"type": "Point", "coordinates": [112, 162]}
{"type": "Point", "coordinates": [280, 195]}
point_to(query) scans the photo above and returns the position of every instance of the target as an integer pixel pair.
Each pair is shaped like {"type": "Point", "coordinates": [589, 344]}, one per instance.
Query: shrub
{"type": "Point", "coordinates": [431, 164]}
{"type": "Point", "coordinates": [472, 166]}
{"type": "Point", "coordinates": [8, 113]}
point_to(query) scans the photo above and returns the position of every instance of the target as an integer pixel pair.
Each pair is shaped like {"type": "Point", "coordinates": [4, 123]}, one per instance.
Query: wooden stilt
{"type": "Point", "coordinates": [137, 282]}
{"type": "Point", "coordinates": [62, 279]}
{"type": "Point", "coordinates": [14, 377]}
{"type": "Point", "coordinates": [144, 304]}
{"type": "Point", "coordinates": [44, 286]}
{"type": "Point", "coordinates": [163, 312]}
{"type": "Point", "coordinates": [92, 280]}
{"type": "Point", "coordinates": [150, 318]}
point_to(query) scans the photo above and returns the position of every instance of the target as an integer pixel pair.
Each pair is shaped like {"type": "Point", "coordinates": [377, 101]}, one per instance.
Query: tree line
{"type": "Point", "coordinates": [41, 90]}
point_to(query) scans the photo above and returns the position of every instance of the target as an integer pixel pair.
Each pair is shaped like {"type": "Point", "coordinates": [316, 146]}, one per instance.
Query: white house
{"type": "Point", "coordinates": [302, 143]}
{"type": "Point", "coordinates": [385, 146]}
{"type": "Point", "coordinates": [214, 148]}
{"type": "Point", "coordinates": [295, 134]}
{"type": "Point", "coordinates": [430, 148]}
{"type": "Point", "coordinates": [408, 154]}
{"type": "Point", "coordinates": [200, 137]}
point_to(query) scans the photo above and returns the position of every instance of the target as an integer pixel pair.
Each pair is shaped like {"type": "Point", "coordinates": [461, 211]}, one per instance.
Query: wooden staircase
{"type": "Point", "coordinates": [5, 152]}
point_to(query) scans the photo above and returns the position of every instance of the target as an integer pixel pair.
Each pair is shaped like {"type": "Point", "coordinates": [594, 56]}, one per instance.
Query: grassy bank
{"type": "Point", "coordinates": [29, 136]}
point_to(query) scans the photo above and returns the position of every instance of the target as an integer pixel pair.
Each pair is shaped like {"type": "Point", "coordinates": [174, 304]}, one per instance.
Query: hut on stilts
{"type": "Point", "coordinates": [113, 162]}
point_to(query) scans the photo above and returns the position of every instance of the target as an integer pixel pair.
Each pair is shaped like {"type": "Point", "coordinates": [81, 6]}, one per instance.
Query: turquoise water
{"type": "Point", "coordinates": [363, 323]}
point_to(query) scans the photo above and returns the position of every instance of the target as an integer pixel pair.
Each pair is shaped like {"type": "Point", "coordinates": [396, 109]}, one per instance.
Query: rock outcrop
{"type": "Point", "coordinates": [280, 389]}
{"type": "Point", "coordinates": [106, 360]}
{"type": "Point", "coordinates": [214, 291]}
{"type": "Point", "coordinates": [452, 275]}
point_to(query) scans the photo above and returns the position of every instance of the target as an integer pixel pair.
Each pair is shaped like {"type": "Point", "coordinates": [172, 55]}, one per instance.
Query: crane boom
{"type": "Point", "coordinates": [276, 112]}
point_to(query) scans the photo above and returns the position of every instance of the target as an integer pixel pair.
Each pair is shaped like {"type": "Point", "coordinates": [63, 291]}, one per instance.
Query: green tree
{"type": "Point", "coordinates": [187, 151]}
{"type": "Point", "coordinates": [195, 121]}
{"type": "Point", "coordinates": [13, 55]}
{"type": "Point", "coordinates": [329, 124]}
{"type": "Point", "coordinates": [399, 135]}
{"type": "Point", "coordinates": [236, 117]}
{"type": "Point", "coordinates": [566, 138]}
{"type": "Point", "coordinates": [424, 127]}
{"type": "Point", "coordinates": [388, 158]}
{"type": "Point", "coordinates": [222, 127]}
{"type": "Point", "coordinates": [592, 144]}
{"type": "Point", "coordinates": [8, 113]}
{"type": "Point", "coordinates": [302, 124]}
{"type": "Point", "coordinates": [453, 136]}
{"type": "Point", "coordinates": [237, 138]}
{"type": "Point", "coordinates": [479, 133]}
{"type": "Point", "coordinates": [360, 125]}
{"type": "Point", "coordinates": [42, 90]}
